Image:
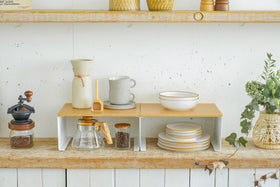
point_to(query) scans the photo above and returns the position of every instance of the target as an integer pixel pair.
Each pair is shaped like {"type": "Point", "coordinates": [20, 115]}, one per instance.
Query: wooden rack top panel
{"type": "Point", "coordinates": [68, 110]}
{"type": "Point", "coordinates": [44, 154]}
{"type": "Point", "coordinates": [200, 110]}
{"type": "Point", "coordinates": [144, 110]}
{"type": "Point", "coordinates": [140, 16]}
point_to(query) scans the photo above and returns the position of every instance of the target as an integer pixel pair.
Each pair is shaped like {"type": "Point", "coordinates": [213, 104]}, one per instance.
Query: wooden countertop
{"type": "Point", "coordinates": [45, 154]}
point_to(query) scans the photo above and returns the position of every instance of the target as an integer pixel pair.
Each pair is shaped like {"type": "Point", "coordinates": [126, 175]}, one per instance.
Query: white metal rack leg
{"type": "Point", "coordinates": [216, 140]}
{"type": "Point", "coordinates": [137, 140]}
{"type": "Point", "coordinates": [63, 136]}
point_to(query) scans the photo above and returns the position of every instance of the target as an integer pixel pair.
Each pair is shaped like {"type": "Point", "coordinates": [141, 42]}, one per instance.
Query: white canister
{"type": "Point", "coordinates": [82, 95]}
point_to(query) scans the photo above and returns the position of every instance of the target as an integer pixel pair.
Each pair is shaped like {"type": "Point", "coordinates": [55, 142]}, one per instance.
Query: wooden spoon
{"type": "Point", "coordinates": [97, 105]}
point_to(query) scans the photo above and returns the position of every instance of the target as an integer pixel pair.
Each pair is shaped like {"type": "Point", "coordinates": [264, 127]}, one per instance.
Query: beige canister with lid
{"type": "Point", "coordinates": [82, 95]}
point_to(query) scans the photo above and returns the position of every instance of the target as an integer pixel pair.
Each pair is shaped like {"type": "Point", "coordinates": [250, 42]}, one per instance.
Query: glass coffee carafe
{"type": "Point", "coordinates": [88, 135]}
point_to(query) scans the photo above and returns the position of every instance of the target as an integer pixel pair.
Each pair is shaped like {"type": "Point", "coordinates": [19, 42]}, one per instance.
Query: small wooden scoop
{"type": "Point", "coordinates": [97, 105]}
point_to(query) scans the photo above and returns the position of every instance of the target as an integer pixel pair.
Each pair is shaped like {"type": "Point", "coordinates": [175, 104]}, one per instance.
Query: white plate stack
{"type": "Point", "coordinates": [184, 137]}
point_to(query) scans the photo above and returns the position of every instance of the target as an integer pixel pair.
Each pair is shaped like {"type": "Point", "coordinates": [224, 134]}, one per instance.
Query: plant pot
{"type": "Point", "coordinates": [266, 132]}
{"type": "Point", "coordinates": [157, 5]}
{"type": "Point", "coordinates": [124, 5]}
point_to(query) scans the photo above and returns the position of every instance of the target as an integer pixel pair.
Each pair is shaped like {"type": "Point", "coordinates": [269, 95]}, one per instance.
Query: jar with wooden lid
{"type": "Point", "coordinates": [122, 136]}
{"type": "Point", "coordinates": [21, 136]}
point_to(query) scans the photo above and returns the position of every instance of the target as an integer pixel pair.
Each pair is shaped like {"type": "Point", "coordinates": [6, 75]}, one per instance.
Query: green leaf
{"type": "Point", "coordinates": [274, 176]}
{"type": "Point", "coordinates": [277, 93]}
{"type": "Point", "coordinates": [209, 170]}
{"type": "Point", "coordinates": [231, 138]}
{"type": "Point", "coordinates": [225, 162]}
{"type": "Point", "coordinates": [246, 126]}
{"type": "Point", "coordinates": [242, 141]}
{"type": "Point", "coordinates": [267, 92]}
{"type": "Point", "coordinates": [247, 113]}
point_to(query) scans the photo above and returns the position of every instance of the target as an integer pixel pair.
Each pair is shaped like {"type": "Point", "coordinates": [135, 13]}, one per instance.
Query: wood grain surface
{"type": "Point", "coordinates": [44, 154]}
{"type": "Point", "coordinates": [200, 110]}
{"type": "Point", "coordinates": [145, 110]}
{"type": "Point", "coordinates": [139, 16]}
{"type": "Point", "coordinates": [68, 110]}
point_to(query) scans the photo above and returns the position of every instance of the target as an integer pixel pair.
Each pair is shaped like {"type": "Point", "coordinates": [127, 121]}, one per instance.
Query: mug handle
{"type": "Point", "coordinates": [134, 83]}
{"type": "Point", "coordinates": [133, 97]}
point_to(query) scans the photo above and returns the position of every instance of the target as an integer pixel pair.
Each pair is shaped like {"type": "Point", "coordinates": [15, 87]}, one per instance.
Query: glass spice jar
{"type": "Point", "coordinates": [122, 136]}
{"type": "Point", "coordinates": [21, 136]}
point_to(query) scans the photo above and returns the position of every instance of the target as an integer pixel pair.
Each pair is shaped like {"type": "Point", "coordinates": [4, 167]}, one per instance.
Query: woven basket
{"type": "Point", "coordinates": [160, 4]}
{"type": "Point", "coordinates": [266, 132]}
{"type": "Point", "coordinates": [124, 5]}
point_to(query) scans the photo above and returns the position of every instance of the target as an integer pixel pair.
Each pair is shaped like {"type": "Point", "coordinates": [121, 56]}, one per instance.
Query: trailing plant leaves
{"type": "Point", "coordinates": [257, 183]}
{"type": "Point", "coordinates": [231, 138]}
{"type": "Point", "coordinates": [208, 169]}
{"type": "Point", "coordinates": [264, 177]}
{"type": "Point", "coordinates": [225, 162]}
{"type": "Point", "coordinates": [246, 126]}
{"type": "Point", "coordinates": [274, 176]}
{"type": "Point", "coordinates": [242, 141]}
{"type": "Point", "coordinates": [249, 114]}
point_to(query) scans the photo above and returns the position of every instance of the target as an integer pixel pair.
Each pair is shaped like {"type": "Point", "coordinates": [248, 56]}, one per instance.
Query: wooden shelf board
{"type": "Point", "coordinates": [144, 110]}
{"type": "Point", "coordinates": [44, 154]}
{"type": "Point", "coordinates": [138, 16]}
{"type": "Point", "coordinates": [200, 110]}
{"type": "Point", "coordinates": [68, 110]}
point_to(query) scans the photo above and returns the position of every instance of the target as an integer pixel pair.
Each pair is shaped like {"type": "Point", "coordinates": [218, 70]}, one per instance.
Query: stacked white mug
{"type": "Point", "coordinates": [120, 96]}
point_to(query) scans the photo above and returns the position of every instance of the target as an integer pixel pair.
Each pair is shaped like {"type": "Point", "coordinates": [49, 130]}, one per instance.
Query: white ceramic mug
{"type": "Point", "coordinates": [119, 92]}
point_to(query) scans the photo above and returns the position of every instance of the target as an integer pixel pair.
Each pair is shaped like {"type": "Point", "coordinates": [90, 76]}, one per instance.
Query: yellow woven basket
{"type": "Point", "coordinates": [266, 132]}
{"type": "Point", "coordinates": [122, 5]}
{"type": "Point", "coordinates": [156, 5]}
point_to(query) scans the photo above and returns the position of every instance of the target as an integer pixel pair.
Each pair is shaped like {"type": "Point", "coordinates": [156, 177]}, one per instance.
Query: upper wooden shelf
{"type": "Point", "coordinates": [139, 16]}
{"type": "Point", "coordinates": [144, 110]}
{"type": "Point", "coordinates": [44, 154]}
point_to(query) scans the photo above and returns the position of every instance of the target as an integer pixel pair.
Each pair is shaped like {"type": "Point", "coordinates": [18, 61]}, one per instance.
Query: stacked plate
{"type": "Point", "coordinates": [184, 137]}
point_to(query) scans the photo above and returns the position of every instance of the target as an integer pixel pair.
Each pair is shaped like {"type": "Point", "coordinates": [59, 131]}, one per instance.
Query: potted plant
{"type": "Point", "coordinates": [265, 96]}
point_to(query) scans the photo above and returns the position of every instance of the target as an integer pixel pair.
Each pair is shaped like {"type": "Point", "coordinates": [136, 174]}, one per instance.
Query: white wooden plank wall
{"type": "Point", "coordinates": [132, 178]}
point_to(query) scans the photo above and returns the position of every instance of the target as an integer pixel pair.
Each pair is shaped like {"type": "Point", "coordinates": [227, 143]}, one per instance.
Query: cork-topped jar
{"type": "Point", "coordinates": [21, 136]}
{"type": "Point", "coordinates": [222, 5]}
{"type": "Point", "coordinates": [122, 136]}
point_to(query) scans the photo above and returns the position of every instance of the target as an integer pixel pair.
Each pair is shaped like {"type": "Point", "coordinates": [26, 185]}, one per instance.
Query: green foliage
{"type": "Point", "coordinates": [242, 141]}
{"type": "Point", "coordinates": [232, 140]}
{"type": "Point", "coordinates": [265, 94]}
{"type": "Point", "coordinates": [274, 176]}
{"type": "Point", "coordinates": [225, 162]}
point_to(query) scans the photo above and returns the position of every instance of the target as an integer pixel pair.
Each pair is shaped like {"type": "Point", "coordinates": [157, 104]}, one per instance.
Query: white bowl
{"type": "Point", "coordinates": [178, 95]}
{"type": "Point", "coordinates": [178, 105]}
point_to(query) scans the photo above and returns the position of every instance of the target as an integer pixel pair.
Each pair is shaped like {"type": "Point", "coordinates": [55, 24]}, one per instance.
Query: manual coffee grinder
{"type": "Point", "coordinates": [21, 134]}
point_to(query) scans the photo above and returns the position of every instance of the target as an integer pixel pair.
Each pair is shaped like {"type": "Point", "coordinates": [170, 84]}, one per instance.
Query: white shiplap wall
{"type": "Point", "coordinates": [132, 178]}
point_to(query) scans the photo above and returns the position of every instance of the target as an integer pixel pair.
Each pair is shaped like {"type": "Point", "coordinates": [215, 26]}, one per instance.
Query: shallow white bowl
{"type": "Point", "coordinates": [180, 105]}
{"type": "Point", "coordinates": [178, 95]}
